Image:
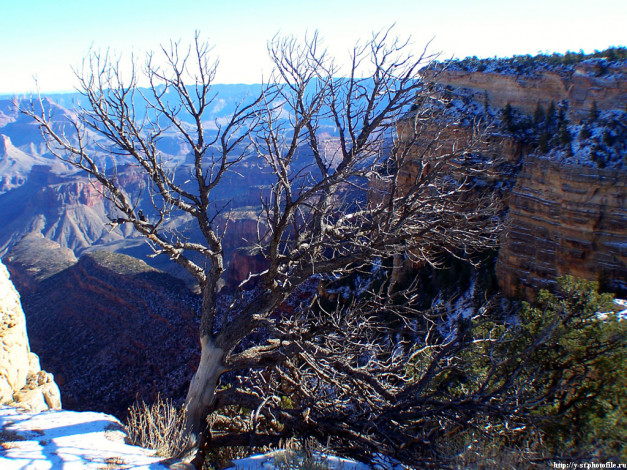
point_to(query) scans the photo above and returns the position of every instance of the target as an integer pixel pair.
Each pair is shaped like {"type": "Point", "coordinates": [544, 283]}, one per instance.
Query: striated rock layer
{"type": "Point", "coordinates": [567, 212]}
{"type": "Point", "coordinates": [22, 382]}
{"type": "Point", "coordinates": [564, 219]}
{"type": "Point", "coordinates": [582, 88]}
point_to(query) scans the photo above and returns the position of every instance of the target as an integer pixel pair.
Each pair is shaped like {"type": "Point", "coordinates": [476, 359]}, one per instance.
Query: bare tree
{"type": "Point", "coordinates": [395, 182]}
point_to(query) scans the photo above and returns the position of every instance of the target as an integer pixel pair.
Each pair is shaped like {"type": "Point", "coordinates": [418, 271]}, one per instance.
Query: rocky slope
{"type": "Point", "coordinates": [15, 164]}
{"type": "Point", "coordinates": [111, 328]}
{"type": "Point", "coordinates": [66, 209]}
{"type": "Point", "coordinates": [22, 382]}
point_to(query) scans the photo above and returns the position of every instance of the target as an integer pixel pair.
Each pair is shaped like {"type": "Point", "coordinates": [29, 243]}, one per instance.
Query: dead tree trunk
{"type": "Point", "coordinates": [202, 388]}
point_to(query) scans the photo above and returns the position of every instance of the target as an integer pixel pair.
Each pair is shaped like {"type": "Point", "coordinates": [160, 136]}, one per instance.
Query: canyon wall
{"type": "Point", "coordinates": [581, 87]}
{"type": "Point", "coordinates": [564, 219]}
{"type": "Point", "coordinates": [565, 216]}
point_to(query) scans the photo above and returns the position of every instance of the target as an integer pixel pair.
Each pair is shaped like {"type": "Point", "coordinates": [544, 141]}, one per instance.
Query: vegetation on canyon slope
{"type": "Point", "coordinates": [598, 140]}
{"type": "Point", "coordinates": [555, 368]}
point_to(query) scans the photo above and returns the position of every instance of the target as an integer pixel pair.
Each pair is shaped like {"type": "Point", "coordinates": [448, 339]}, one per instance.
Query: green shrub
{"type": "Point", "coordinates": [565, 361]}
{"type": "Point", "coordinates": [579, 368]}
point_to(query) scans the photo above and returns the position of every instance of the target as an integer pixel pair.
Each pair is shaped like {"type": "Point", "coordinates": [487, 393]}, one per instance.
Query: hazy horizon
{"type": "Point", "coordinates": [45, 39]}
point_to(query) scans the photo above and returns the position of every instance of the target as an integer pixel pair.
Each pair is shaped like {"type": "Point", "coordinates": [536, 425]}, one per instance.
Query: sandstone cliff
{"type": "Point", "coordinates": [22, 382]}
{"type": "Point", "coordinates": [567, 211]}
{"type": "Point", "coordinates": [564, 219]}
{"type": "Point", "coordinates": [582, 86]}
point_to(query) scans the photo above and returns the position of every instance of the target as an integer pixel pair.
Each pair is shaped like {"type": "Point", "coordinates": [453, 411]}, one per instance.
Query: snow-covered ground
{"type": "Point", "coordinates": [73, 440]}
{"type": "Point", "coordinates": [68, 440]}
{"type": "Point", "coordinates": [267, 462]}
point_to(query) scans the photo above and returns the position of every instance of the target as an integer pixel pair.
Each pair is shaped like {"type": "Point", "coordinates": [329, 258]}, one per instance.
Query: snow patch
{"type": "Point", "coordinates": [330, 462]}
{"type": "Point", "coordinates": [622, 303]}
{"type": "Point", "coordinates": [68, 440]}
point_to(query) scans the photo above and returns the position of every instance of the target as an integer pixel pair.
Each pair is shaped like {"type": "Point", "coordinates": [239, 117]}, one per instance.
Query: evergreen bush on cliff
{"type": "Point", "coordinates": [567, 354]}
{"type": "Point", "coordinates": [584, 360]}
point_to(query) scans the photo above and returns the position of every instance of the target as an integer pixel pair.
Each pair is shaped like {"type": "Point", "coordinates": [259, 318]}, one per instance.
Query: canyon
{"type": "Point", "coordinates": [94, 309]}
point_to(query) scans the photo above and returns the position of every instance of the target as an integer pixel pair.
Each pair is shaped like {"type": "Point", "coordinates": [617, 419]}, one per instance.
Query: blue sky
{"type": "Point", "coordinates": [45, 38]}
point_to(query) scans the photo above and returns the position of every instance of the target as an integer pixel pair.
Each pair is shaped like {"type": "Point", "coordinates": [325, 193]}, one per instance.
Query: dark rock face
{"type": "Point", "coordinates": [244, 262]}
{"type": "Point", "coordinates": [111, 329]}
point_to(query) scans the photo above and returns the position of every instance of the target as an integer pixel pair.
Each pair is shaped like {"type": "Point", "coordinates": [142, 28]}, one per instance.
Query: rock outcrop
{"type": "Point", "coordinates": [564, 219]}
{"type": "Point", "coordinates": [567, 212]}
{"type": "Point", "coordinates": [22, 382]}
{"type": "Point", "coordinates": [582, 87]}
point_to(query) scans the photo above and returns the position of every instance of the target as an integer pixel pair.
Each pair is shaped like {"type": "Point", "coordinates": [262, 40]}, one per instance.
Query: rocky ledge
{"type": "Point", "coordinates": [582, 87]}
{"type": "Point", "coordinates": [22, 382]}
